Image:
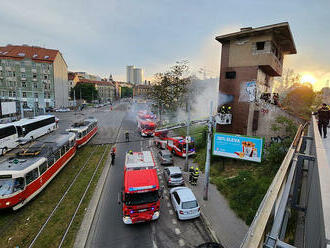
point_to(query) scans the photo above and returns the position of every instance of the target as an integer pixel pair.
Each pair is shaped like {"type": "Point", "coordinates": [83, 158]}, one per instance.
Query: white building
{"type": "Point", "coordinates": [134, 75]}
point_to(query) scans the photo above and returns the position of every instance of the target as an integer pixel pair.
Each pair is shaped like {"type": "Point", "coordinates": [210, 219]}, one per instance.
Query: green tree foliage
{"type": "Point", "coordinates": [170, 88]}
{"type": "Point", "coordinates": [299, 100]}
{"type": "Point", "coordinates": [88, 92]}
{"type": "Point", "coordinates": [126, 92]}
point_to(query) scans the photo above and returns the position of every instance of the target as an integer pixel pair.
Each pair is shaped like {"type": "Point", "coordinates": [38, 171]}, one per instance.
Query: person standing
{"type": "Point", "coordinates": [323, 115]}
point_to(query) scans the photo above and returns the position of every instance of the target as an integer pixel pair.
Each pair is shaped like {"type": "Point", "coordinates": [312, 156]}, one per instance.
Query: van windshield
{"type": "Point", "coordinates": [177, 175]}
{"type": "Point", "coordinates": [141, 198]}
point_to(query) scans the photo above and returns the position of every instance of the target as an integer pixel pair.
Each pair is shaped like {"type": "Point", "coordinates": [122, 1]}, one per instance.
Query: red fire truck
{"type": "Point", "coordinates": [141, 194]}
{"type": "Point", "coordinates": [176, 145]}
{"type": "Point", "coordinates": [146, 123]}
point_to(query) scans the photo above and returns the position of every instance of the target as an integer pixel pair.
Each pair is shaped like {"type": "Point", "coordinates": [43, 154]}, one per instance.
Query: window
{"type": "Point", "coordinates": [21, 54]}
{"type": "Point", "coordinates": [7, 131]}
{"type": "Point", "coordinates": [34, 75]}
{"type": "Point", "coordinates": [43, 168]}
{"type": "Point", "coordinates": [177, 198]}
{"type": "Point", "coordinates": [45, 76]}
{"type": "Point", "coordinates": [24, 94]}
{"type": "Point", "coordinates": [260, 45]}
{"type": "Point", "coordinates": [35, 85]}
{"type": "Point", "coordinates": [35, 56]}
{"type": "Point", "coordinates": [14, 93]}
{"type": "Point", "coordinates": [51, 160]}
{"type": "Point", "coordinates": [23, 76]}
{"type": "Point", "coordinates": [230, 74]}
{"type": "Point", "coordinates": [34, 65]}
{"type": "Point", "coordinates": [31, 176]}
{"type": "Point", "coordinates": [24, 84]}
{"type": "Point", "coordinates": [14, 74]}
{"type": "Point", "coordinates": [35, 95]}
{"type": "Point", "coordinates": [46, 57]}
{"type": "Point", "coordinates": [25, 105]}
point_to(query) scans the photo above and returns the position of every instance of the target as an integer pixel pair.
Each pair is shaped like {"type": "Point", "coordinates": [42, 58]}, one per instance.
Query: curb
{"type": "Point", "coordinates": [86, 224]}
{"type": "Point", "coordinates": [209, 228]}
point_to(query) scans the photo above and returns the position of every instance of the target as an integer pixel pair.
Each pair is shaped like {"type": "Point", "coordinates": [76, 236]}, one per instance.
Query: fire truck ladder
{"type": "Point", "coordinates": [180, 125]}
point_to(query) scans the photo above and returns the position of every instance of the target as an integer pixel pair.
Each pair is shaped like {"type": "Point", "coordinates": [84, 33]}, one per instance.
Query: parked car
{"type": "Point", "coordinates": [173, 176]}
{"type": "Point", "coordinates": [184, 203]}
{"type": "Point", "coordinates": [63, 110]}
{"type": "Point", "coordinates": [49, 109]}
{"type": "Point", "coordinates": [165, 157]}
{"type": "Point", "coordinates": [28, 109]}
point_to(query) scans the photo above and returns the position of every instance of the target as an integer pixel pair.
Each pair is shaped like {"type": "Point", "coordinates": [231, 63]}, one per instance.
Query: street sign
{"type": "Point", "coordinates": [237, 146]}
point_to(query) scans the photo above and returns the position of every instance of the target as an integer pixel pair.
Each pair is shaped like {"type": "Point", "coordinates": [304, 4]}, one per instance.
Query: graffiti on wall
{"type": "Point", "coordinates": [248, 91]}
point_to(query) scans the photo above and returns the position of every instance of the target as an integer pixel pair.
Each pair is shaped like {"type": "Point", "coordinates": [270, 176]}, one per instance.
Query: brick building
{"type": "Point", "coordinates": [250, 59]}
{"type": "Point", "coordinates": [36, 76]}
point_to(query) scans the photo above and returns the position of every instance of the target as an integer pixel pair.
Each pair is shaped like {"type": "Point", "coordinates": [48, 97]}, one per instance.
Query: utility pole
{"type": "Point", "coordinates": [21, 103]}
{"type": "Point", "coordinates": [74, 98]}
{"type": "Point", "coordinates": [208, 155]}
{"type": "Point", "coordinates": [187, 134]}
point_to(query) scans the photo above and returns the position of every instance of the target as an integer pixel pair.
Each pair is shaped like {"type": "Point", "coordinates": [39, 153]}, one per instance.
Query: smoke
{"type": "Point", "coordinates": [224, 99]}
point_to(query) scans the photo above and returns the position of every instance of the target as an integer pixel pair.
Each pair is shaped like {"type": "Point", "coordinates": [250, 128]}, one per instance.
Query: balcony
{"type": "Point", "coordinates": [270, 64]}
{"type": "Point", "coordinates": [23, 78]}
{"type": "Point", "coordinates": [34, 70]}
{"type": "Point", "coordinates": [22, 69]}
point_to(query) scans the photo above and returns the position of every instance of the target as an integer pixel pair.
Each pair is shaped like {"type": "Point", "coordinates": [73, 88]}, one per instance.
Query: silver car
{"type": "Point", "coordinates": [165, 157]}
{"type": "Point", "coordinates": [184, 203]}
{"type": "Point", "coordinates": [173, 176]}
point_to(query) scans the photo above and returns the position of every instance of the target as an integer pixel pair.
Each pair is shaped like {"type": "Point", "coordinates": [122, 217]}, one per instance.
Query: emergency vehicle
{"type": "Point", "coordinates": [146, 123]}
{"type": "Point", "coordinates": [176, 145]}
{"type": "Point", "coordinates": [141, 193]}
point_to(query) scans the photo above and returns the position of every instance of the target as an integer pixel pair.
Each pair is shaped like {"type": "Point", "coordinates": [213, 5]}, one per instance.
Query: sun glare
{"type": "Point", "coordinates": [308, 78]}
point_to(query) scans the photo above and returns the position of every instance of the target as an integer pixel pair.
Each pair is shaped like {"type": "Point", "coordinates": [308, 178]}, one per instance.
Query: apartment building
{"type": "Point", "coordinates": [73, 79]}
{"type": "Point", "coordinates": [106, 90]}
{"type": "Point", "coordinates": [250, 59]}
{"type": "Point", "coordinates": [36, 76]}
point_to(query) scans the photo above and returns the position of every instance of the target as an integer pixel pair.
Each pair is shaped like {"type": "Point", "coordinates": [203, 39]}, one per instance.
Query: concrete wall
{"type": "Point", "coordinates": [60, 82]}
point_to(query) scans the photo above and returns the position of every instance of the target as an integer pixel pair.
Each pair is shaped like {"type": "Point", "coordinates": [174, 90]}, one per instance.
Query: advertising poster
{"type": "Point", "coordinates": [236, 146]}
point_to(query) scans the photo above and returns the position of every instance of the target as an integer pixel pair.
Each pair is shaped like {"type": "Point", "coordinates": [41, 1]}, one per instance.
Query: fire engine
{"type": "Point", "coordinates": [146, 123]}
{"type": "Point", "coordinates": [176, 145]}
{"type": "Point", "coordinates": [141, 193]}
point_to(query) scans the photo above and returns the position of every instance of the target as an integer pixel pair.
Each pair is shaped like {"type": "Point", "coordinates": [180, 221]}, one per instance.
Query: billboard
{"type": "Point", "coordinates": [237, 146]}
{"type": "Point", "coordinates": [8, 108]}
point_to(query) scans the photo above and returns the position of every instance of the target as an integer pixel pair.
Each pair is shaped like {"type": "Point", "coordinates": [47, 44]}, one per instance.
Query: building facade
{"type": "Point", "coordinates": [106, 90]}
{"type": "Point", "coordinates": [250, 59]}
{"type": "Point", "coordinates": [36, 76]}
{"type": "Point", "coordinates": [73, 79]}
{"type": "Point", "coordinates": [141, 90]}
{"type": "Point", "coordinates": [134, 75]}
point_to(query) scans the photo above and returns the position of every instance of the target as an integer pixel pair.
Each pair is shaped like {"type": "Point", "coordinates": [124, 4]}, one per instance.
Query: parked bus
{"type": "Point", "coordinates": [32, 128]}
{"type": "Point", "coordinates": [85, 130]}
{"type": "Point", "coordinates": [27, 174]}
{"type": "Point", "coordinates": [140, 197]}
{"type": "Point", "coordinates": [8, 137]}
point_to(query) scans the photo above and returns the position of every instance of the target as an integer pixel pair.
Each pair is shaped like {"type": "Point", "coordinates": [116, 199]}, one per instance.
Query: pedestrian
{"type": "Point", "coordinates": [323, 114]}
{"type": "Point", "coordinates": [191, 172]}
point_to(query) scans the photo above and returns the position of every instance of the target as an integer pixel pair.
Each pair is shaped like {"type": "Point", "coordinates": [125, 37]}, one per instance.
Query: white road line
{"type": "Point", "coordinates": [177, 231]}
{"type": "Point", "coordinates": [171, 212]}
{"type": "Point", "coordinates": [181, 242]}
{"type": "Point", "coordinates": [174, 222]}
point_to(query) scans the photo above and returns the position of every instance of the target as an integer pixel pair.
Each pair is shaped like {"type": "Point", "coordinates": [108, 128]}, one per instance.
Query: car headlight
{"type": "Point", "coordinates": [7, 203]}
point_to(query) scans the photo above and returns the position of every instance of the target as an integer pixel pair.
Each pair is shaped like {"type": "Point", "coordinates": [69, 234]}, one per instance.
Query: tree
{"type": "Point", "coordinates": [126, 92]}
{"type": "Point", "coordinates": [300, 99]}
{"type": "Point", "coordinates": [170, 88]}
{"type": "Point", "coordinates": [87, 91]}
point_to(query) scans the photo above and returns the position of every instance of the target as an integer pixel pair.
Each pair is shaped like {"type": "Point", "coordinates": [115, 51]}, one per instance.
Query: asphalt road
{"type": "Point", "coordinates": [108, 230]}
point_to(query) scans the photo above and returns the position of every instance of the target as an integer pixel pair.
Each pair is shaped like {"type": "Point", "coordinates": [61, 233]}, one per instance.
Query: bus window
{"type": "Point", "coordinates": [31, 176]}
{"type": "Point", "coordinates": [43, 168]}
{"type": "Point", "coordinates": [18, 184]}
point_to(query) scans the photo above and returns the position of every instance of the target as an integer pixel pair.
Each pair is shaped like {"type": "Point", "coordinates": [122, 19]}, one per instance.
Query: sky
{"type": "Point", "coordinates": [104, 36]}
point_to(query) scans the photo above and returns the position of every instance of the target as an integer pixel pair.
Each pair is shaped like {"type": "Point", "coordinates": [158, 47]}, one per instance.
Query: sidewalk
{"type": "Point", "coordinates": [228, 228]}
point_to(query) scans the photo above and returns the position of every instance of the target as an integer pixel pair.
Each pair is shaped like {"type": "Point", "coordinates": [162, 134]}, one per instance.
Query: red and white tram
{"type": "Point", "coordinates": [27, 174]}
{"type": "Point", "coordinates": [84, 130]}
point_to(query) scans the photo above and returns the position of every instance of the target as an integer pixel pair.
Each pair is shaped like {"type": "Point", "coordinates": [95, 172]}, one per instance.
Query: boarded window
{"type": "Point", "coordinates": [261, 45]}
{"type": "Point", "coordinates": [230, 74]}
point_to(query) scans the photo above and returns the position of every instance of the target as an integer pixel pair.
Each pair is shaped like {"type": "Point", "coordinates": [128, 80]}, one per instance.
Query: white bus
{"type": "Point", "coordinates": [32, 128]}
{"type": "Point", "coordinates": [8, 137]}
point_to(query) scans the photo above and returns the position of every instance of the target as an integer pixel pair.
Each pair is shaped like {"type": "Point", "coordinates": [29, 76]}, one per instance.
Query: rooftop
{"type": "Point", "coordinates": [37, 54]}
{"type": "Point", "coordinates": [281, 31]}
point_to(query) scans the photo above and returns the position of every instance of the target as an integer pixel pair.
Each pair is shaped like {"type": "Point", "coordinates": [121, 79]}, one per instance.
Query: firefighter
{"type": "Point", "coordinates": [195, 176]}
{"type": "Point", "coordinates": [127, 136]}
{"type": "Point", "coordinates": [191, 172]}
{"type": "Point", "coordinates": [113, 154]}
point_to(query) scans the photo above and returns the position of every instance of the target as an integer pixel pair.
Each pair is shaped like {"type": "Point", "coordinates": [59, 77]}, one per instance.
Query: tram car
{"type": "Point", "coordinates": [24, 176]}
{"type": "Point", "coordinates": [85, 130]}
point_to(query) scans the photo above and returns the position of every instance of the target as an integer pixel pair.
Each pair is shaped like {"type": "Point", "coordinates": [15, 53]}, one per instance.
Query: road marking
{"type": "Point", "coordinates": [177, 231]}
{"type": "Point", "coordinates": [170, 211]}
{"type": "Point", "coordinates": [174, 222]}
{"type": "Point", "coordinates": [181, 242]}
{"type": "Point", "coordinates": [168, 204]}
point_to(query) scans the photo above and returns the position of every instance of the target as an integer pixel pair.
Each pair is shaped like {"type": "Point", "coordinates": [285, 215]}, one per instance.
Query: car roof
{"type": "Point", "coordinates": [186, 194]}
{"type": "Point", "coordinates": [174, 170]}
